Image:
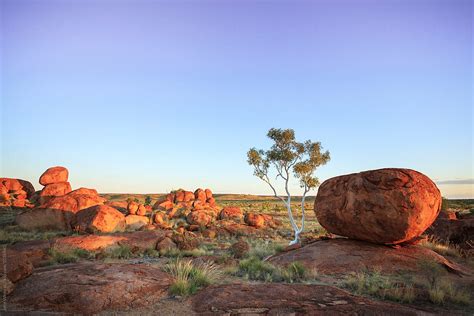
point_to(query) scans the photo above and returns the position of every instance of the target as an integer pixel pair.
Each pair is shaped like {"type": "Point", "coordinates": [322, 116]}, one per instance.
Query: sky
{"type": "Point", "coordinates": [148, 96]}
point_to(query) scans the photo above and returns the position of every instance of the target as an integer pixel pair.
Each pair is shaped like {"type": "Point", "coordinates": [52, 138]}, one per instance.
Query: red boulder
{"type": "Point", "coordinates": [385, 206]}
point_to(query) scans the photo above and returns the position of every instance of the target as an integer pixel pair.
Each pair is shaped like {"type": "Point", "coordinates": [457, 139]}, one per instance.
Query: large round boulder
{"type": "Point", "coordinates": [54, 175]}
{"type": "Point", "coordinates": [100, 218]}
{"type": "Point", "coordinates": [384, 206]}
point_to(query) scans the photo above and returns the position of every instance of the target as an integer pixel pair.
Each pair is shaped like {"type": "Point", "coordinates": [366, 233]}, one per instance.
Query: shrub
{"type": "Point", "coordinates": [147, 200]}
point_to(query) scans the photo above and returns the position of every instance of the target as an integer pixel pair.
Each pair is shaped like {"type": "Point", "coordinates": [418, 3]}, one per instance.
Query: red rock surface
{"type": "Point", "coordinates": [200, 218]}
{"type": "Point", "coordinates": [11, 185]}
{"type": "Point", "coordinates": [289, 299]}
{"type": "Point", "coordinates": [386, 206]}
{"type": "Point", "coordinates": [15, 265]}
{"type": "Point", "coordinates": [99, 218]}
{"type": "Point", "coordinates": [89, 288]}
{"type": "Point", "coordinates": [54, 175]}
{"type": "Point", "coordinates": [45, 219]}
{"type": "Point", "coordinates": [56, 189]}
{"type": "Point", "coordinates": [136, 241]}
{"type": "Point", "coordinates": [132, 207]}
{"type": "Point", "coordinates": [343, 256]}
{"type": "Point", "coordinates": [232, 213]}
{"type": "Point", "coordinates": [200, 195]}
{"type": "Point", "coordinates": [58, 213]}
{"type": "Point", "coordinates": [255, 220]}
{"type": "Point", "coordinates": [451, 230]}
{"type": "Point", "coordinates": [37, 251]}
{"type": "Point", "coordinates": [15, 192]}
{"type": "Point", "coordinates": [135, 222]}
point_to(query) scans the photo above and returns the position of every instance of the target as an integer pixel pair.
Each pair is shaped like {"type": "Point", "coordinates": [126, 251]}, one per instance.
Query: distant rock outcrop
{"type": "Point", "coordinates": [16, 192]}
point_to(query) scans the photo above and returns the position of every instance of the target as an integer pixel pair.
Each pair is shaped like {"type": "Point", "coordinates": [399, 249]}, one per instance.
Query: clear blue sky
{"type": "Point", "coordinates": [149, 96]}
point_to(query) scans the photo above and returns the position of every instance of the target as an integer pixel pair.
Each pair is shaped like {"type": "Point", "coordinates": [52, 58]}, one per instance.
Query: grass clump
{"type": "Point", "coordinates": [295, 272]}
{"type": "Point", "coordinates": [176, 253]}
{"type": "Point", "coordinates": [189, 277]}
{"type": "Point", "coordinates": [440, 289]}
{"type": "Point", "coordinates": [442, 248]}
{"type": "Point", "coordinates": [254, 268]}
{"type": "Point", "coordinates": [58, 257]}
{"type": "Point", "coordinates": [120, 252]}
{"type": "Point", "coordinates": [264, 249]}
{"type": "Point", "coordinates": [373, 283]}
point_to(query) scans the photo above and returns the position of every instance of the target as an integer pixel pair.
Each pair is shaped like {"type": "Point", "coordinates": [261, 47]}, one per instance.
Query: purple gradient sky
{"type": "Point", "coordinates": [149, 96]}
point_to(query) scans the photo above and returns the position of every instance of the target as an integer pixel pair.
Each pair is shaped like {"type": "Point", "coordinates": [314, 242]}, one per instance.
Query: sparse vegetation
{"type": "Point", "coordinates": [119, 252]}
{"type": "Point", "coordinates": [373, 283]}
{"type": "Point", "coordinates": [189, 277]}
{"type": "Point", "coordinates": [442, 248]}
{"type": "Point", "coordinates": [59, 257]}
{"type": "Point", "coordinates": [254, 268]}
{"type": "Point", "coordinates": [147, 200]}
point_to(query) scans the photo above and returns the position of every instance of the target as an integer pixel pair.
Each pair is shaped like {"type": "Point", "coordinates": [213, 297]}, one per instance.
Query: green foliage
{"type": "Point", "coordinates": [147, 200]}
{"type": "Point", "coordinates": [189, 277]}
{"type": "Point", "coordinates": [287, 155]}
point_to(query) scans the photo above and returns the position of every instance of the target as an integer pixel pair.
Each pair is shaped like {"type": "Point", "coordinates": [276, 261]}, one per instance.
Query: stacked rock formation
{"type": "Point", "coordinates": [384, 206]}
{"type": "Point", "coordinates": [58, 205]}
{"type": "Point", "coordinates": [16, 192]}
{"type": "Point", "coordinates": [55, 182]}
{"type": "Point", "coordinates": [136, 217]}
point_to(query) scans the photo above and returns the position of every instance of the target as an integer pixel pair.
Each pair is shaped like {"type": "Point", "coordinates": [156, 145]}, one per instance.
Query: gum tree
{"type": "Point", "coordinates": [289, 158]}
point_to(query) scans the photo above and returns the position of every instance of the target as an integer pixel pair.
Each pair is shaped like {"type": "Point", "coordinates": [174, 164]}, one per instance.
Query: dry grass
{"type": "Point", "coordinates": [442, 248]}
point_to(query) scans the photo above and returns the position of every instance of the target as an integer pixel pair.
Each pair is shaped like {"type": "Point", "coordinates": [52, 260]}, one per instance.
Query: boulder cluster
{"type": "Point", "coordinates": [385, 206]}
{"type": "Point", "coordinates": [58, 207]}
{"type": "Point", "coordinates": [198, 211]}
{"type": "Point", "coordinates": [16, 192]}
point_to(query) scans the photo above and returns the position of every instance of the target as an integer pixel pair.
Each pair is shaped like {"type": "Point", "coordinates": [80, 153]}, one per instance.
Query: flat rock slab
{"type": "Point", "coordinates": [141, 240]}
{"type": "Point", "coordinates": [88, 288]}
{"type": "Point", "coordinates": [342, 256]}
{"type": "Point", "coordinates": [289, 299]}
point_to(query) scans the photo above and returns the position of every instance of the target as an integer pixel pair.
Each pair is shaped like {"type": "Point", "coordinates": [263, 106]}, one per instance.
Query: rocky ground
{"type": "Point", "coordinates": [230, 264]}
